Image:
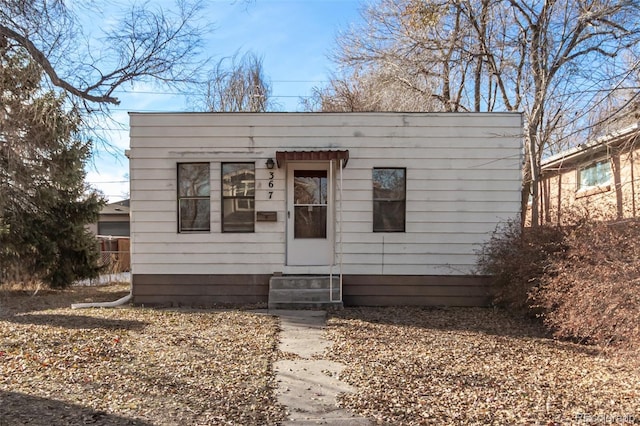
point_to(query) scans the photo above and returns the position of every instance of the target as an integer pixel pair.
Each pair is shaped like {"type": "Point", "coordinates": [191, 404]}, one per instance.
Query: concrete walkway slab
{"type": "Point", "coordinates": [308, 385]}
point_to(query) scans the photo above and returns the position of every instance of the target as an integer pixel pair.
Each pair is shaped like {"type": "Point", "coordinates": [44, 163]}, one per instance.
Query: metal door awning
{"type": "Point", "coordinates": [315, 155]}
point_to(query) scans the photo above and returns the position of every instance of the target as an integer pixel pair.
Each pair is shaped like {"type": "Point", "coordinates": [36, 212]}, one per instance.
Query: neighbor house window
{"type": "Point", "coordinates": [194, 208]}
{"type": "Point", "coordinates": [389, 199]}
{"type": "Point", "coordinates": [595, 174]}
{"type": "Point", "coordinates": [238, 197]}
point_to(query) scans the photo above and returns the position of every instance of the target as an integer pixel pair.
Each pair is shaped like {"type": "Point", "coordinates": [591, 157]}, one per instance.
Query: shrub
{"type": "Point", "coordinates": [593, 293]}
{"type": "Point", "coordinates": [583, 280]}
{"type": "Point", "coordinates": [516, 259]}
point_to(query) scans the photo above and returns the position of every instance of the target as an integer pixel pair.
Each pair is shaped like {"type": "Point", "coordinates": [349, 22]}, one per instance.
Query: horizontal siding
{"type": "Point", "coordinates": [414, 238]}
{"type": "Point", "coordinates": [202, 270]}
{"type": "Point", "coordinates": [151, 248]}
{"type": "Point", "coordinates": [312, 133]}
{"type": "Point", "coordinates": [475, 157]}
{"type": "Point", "coordinates": [186, 240]}
{"type": "Point", "coordinates": [426, 228]}
{"type": "Point", "coordinates": [463, 176]}
{"type": "Point", "coordinates": [187, 257]}
{"type": "Point", "coordinates": [423, 267]}
{"type": "Point", "coordinates": [325, 119]}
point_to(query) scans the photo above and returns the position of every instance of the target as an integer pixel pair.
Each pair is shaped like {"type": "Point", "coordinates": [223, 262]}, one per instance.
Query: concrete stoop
{"type": "Point", "coordinates": [304, 292]}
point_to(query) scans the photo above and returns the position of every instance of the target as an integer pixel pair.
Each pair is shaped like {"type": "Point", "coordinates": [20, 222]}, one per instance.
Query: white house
{"type": "Point", "coordinates": [392, 207]}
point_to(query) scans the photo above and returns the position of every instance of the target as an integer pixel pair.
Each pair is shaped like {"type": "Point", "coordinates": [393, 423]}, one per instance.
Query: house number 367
{"type": "Point", "coordinates": [271, 175]}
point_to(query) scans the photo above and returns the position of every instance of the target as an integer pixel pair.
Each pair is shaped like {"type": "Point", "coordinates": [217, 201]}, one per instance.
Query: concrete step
{"type": "Point", "coordinates": [304, 292]}
{"type": "Point", "coordinates": [305, 305]}
{"type": "Point", "coordinates": [299, 295]}
{"type": "Point", "coordinates": [302, 282]}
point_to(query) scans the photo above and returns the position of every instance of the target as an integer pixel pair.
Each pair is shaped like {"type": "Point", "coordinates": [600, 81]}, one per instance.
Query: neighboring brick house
{"type": "Point", "coordinates": [596, 180]}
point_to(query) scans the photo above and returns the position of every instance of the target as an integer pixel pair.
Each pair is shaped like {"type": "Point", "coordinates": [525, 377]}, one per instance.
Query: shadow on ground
{"type": "Point", "coordinates": [19, 408]}
{"type": "Point", "coordinates": [76, 321]}
{"type": "Point", "coordinates": [19, 301]}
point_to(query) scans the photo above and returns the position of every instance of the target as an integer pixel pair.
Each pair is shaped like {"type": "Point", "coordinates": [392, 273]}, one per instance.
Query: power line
{"type": "Point", "coordinates": [107, 181]}
{"type": "Point", "coordinates": [154, 92]}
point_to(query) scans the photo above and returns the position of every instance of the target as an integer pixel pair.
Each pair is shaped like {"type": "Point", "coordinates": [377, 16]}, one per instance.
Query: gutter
{"type": "Point", "coordinates": [601, 143]}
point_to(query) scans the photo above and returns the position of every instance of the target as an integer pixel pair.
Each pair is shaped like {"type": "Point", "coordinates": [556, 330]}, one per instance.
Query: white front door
{"type": "Point", "coordinates": [309, 214]}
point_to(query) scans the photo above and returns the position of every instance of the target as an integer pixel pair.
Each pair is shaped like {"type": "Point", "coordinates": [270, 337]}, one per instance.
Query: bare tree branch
{"type": "Point", "coordinates": [551, 59]}
{"type": "Point", "coordinates": [236, 84]}
{"type": "Point", "coordinates": [148, 42]}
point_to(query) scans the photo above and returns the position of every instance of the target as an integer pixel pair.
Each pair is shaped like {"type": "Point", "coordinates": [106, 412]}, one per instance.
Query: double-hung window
{"type": "Point", "coordinates": [595, 174]}
{"type": "Point", "coordinates": [194, 191]}
{"type": "Point", "coordinates": [238, 197]}
{"type": "Point", "coordinates": [389, 199]}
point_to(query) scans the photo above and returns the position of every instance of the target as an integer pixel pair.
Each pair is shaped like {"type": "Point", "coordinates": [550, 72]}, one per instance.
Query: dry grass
{"type": "Point", "coordinates": [417, 366]}
{"type": "Point", "coordinates": [132, 366]}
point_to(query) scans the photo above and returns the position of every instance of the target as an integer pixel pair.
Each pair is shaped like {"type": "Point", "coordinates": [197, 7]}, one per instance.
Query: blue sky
{"type": "Point", "coordinates": [294, 38]}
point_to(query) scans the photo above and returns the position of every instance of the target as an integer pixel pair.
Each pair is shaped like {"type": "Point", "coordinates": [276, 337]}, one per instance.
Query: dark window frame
{"type": "Point", "coordinates": [180, 198]}
{"type": "Point", "coordinates": [249, 198]}
{"type": "Point", "coordinates": [379, 202]}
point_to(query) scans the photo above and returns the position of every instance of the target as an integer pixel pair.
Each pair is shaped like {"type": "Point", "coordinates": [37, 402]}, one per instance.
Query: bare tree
{"type": "Point", "coordinates": [236, 84]}
{"type": "Point", "coordinates": [368, 90]}
{"type": "Point", "coordinates": [91, 63]}
{"type": "Point", "coordinates": [557, 61]}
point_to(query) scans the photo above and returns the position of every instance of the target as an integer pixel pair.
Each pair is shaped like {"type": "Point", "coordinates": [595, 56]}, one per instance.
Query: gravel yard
{"type": "Point", "coordinates": [417, 366]}
{"type": "Point", "coordinates": [141, 366]}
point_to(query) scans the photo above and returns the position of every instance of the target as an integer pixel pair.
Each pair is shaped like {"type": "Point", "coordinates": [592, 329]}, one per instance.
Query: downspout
{"type": "Point", "coordinates": [114, 304]}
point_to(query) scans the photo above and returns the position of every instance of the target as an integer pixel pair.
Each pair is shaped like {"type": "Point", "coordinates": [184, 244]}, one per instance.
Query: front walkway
{"type": "Point", "coordinates": [307, 384]}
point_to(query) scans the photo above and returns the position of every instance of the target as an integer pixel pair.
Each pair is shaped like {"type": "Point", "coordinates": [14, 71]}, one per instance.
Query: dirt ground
{"type": "Point", "coordinates": [411, 366]}
{"type": "Point", "coordinates": [427, 366]}
{"type": "Point", "coordinates": [132, 366]}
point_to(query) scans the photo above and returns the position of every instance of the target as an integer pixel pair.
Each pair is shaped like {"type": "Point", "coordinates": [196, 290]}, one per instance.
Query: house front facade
{"type": "Point", "coordinates": [392, 206]}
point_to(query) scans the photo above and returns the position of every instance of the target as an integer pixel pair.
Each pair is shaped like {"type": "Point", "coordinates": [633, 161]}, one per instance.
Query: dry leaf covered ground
{"type": "Point", "coordinates": [417, 366]}
{"type": "Point", "coordinates": [132, 366]}
{"type": "Point", "coordinates": [136, 366]}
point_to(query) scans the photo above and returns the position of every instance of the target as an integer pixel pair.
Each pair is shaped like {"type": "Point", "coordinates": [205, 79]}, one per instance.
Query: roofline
{"type": "Point", "coordinates": [434, 113]}
{"type": "Point", "coordinates": [581, 150]}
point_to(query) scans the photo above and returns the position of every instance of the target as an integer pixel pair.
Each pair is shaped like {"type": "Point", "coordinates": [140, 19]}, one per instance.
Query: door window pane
{"type": "Point", "coordinates": [310, 222]}
{"type": "Point", "coordinates": [389, 199]}
{"type": "Point", "coordinates": [310, 203]}
{"type": "Point", "coordinates": [310, 187]}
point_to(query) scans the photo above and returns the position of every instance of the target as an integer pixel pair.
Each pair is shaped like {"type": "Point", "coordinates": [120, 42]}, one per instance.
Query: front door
{"type": "Point", "coordinates": [309, 214]}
